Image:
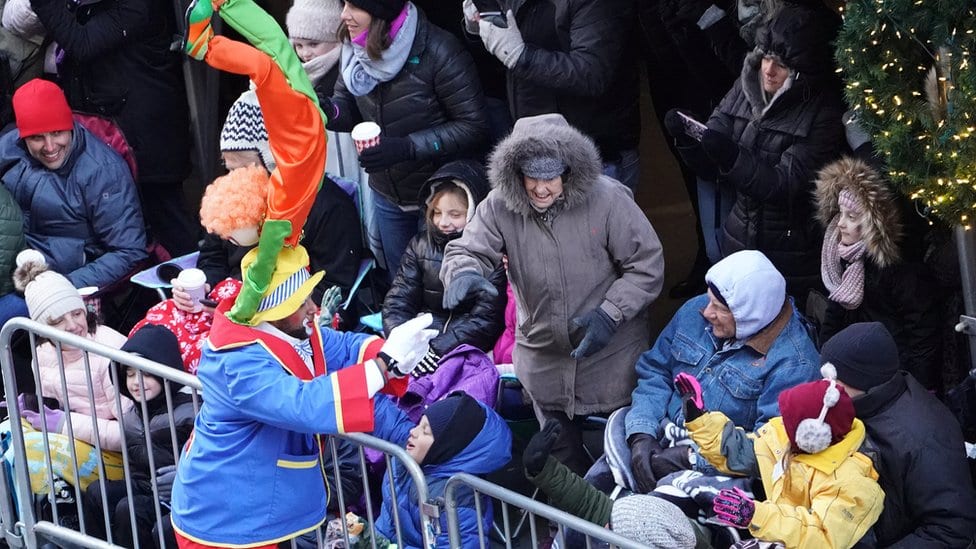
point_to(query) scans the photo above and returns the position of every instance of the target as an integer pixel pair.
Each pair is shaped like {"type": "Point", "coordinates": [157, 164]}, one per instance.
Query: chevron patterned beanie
{"type": "Point", "coordinates": [244, 129]}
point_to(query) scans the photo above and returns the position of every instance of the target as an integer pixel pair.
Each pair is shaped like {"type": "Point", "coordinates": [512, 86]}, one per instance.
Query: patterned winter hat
{"type": "Point", "coordinates": [652, 521]}
{"type": "Point", "coordinates": [244, 129]}
{"type": "Point", "coordinates": [316, 20]}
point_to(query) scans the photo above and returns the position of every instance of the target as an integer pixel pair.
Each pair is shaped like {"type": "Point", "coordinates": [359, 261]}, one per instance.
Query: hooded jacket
{"type": "Point", "coordinates": [417, 287]}
{"type": "Point", "coordinates": [827, 500]}
{"type": "Point", "coordinates": [919, 453]}
{"type": "Point", "coordinates": [159, 420]}
{"type": "Point", "coordinates": [782, 143]}
{"type": "Point", "coordinates": [435, 101]}
{"type": "Point", "coordinates": [489, 451]}
{"type": "Point", "coordinates": [593, 248]}
{"type": "Point", "coordinates": [900, 294]}
{"type": "Point", "coordinates": [85, 216]}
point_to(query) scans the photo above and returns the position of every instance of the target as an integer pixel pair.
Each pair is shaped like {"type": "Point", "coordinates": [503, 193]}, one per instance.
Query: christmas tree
{"type": "Point", "coordinates": [909, 76]}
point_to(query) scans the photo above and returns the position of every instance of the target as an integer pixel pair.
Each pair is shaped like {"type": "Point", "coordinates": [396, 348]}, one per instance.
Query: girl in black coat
{"type": "Point", "coordinates": [864, 268]}
{"type": "Point", "coordinates": [450, 196]}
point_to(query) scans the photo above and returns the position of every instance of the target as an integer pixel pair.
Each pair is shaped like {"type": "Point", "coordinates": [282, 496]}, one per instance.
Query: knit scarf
{"type": "Point", "coordinates": [361, 74]}
{"type": "Point", "coordinates": [842, 268]}
{"type": "Point", "coordinates": [317, 67]}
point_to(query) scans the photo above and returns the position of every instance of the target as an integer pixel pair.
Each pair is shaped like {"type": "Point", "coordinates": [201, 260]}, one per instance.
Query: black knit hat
{"type": "Point", "coordinates": [454, 422]}
{"type": "Point", "coordinates": [864, 354]}
{"type": "Point", "coordinates": [387, 10]}
{"type": "Point", "coordinates": [155, 343]}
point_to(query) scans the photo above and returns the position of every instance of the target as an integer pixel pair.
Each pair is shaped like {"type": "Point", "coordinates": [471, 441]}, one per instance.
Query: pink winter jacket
{"type": "Point", "coordinates": [109, 426]}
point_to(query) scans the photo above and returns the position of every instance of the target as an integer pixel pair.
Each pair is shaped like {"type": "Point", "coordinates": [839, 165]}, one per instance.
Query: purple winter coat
{"type": "Point", "coordinates": [465, 368]}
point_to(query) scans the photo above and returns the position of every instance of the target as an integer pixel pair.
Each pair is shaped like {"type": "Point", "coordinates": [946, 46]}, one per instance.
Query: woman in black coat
{"type": "Point", "coordinates": [417, 287]}
{"type": "Point", "coordinates": [419, 84]}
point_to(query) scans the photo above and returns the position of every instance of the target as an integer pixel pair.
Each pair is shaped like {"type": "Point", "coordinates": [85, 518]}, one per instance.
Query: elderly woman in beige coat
{"type": "Point", "coordinates": [584, 264]}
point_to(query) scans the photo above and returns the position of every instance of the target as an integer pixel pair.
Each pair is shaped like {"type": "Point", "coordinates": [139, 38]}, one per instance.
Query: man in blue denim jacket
{"type": "Point", "coordinates": [743, 340]}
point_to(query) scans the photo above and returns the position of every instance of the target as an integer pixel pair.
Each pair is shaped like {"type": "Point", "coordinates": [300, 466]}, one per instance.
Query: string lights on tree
{"type": "Point", "coordinates": [909, 75]}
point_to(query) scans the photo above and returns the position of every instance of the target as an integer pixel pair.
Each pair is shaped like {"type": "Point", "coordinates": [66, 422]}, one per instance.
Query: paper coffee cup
{"type": "Point", "coordinates": [365, 135]}
{"type": "Point", "coordinates": [193, 282]}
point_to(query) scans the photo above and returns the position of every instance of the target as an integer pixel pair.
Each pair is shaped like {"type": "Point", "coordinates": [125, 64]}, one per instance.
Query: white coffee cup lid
{"type": "Point", "coordinates": [365, 130]}
{"type": "Point", "coordinates": [87, 290]}
{"type": "Point", "coordinates": [192, 277]}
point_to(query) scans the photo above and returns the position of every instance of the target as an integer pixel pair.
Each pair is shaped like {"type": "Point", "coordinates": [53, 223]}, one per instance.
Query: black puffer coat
{"type": "Point", "coordinates": [119, 64]}
{"type": "Point", "coordinates": [929, 498]}
{"type": "Point", "coordinates": [417, 287]}
{"type": "Point", "coordinates": [782, 144]}
{"type": "Point", "coordinates": [435, 100]}
{"type": "Point", "coordinates": [580, 61]}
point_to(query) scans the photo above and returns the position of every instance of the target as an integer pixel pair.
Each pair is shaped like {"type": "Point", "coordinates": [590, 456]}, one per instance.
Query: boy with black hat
{"type": "Point", "coordinates": [918, 445]}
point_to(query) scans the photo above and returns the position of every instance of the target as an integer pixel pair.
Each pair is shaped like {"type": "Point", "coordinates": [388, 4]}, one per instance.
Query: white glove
{"type": "Point", "coordinates": [470, 16]}
{"type": "Point", "coordinates": [407, 344]}
{"type": "Point", "coordinates": [504, 43]}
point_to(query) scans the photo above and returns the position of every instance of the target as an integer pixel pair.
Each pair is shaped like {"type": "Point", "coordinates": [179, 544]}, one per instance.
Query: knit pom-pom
{"type": "Point", "coordinates": [813, 436]}
{"type": "Point", "coordinates": [831, 396]}
{"type": "Point", "coordinates": [828, 371]}
{"type": "Point", "coordinates": [30, 263]}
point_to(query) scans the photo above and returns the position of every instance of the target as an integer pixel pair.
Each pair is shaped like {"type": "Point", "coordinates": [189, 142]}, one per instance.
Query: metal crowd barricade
{"type": "Point", "coordinates": [535, 509]}
{"type": "Point", "coordinates": [30, 520]}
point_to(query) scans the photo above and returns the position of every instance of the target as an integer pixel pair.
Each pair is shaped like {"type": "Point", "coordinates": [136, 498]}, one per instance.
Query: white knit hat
{"type": "Point", "coordinates": [316, 20]}
{"type": "Point", "coordinates": [652, 521]}
{"type": "Point", "coordinates": [49, 295]}
{"type": "Point", "coordinates": [244, 129]}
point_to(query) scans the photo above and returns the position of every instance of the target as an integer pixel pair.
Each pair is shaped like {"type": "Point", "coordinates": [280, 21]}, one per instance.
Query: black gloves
{"type": "Point", "coordinates": [329, 108]}
{"type": "Point", "coordinates": [540, 446]}
{"type": "Point", "coordinates": [642, 448]}
{"type": "Point", "coordinates": [670, 460]}
{"type": "Point", "coordinates": [690, 392]}
{"type": "Point", "coordinates": [386, 153]}
{"type": "Point", "coordinates": [720, 148]}
{"type": "Point", "coordinates": [690, 11]}
{"type": "Point", "coordinates": [676, 128]}
{"type": "Point", "coordinates": [599, 329]}
{"type": "Point", "coordinates": [465, 285]}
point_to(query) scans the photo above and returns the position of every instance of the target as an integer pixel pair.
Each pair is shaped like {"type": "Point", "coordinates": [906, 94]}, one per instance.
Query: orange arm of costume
{"type": "Point", "coordinates": [296, 131]}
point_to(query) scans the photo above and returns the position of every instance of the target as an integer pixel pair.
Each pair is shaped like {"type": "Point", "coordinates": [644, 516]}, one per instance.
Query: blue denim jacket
{"type": "Point", "coordinates": [739, 381]}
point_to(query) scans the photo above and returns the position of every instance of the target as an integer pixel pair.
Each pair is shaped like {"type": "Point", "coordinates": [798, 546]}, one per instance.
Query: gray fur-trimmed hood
{"type": "Point", "coordinates": [544, 135]}
{"type": "Point", "coordinates": [882, 227]}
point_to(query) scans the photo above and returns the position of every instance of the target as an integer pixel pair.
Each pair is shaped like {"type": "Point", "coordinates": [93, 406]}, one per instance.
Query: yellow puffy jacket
{"type": "Point", "coordinates": [816, 501]}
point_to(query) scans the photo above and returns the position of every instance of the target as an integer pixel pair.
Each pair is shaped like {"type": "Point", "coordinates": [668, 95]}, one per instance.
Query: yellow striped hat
{"type": "Point", "coordinates": [290, 284]}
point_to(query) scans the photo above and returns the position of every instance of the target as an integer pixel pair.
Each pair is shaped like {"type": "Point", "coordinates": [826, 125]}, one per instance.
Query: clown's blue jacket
{"type": "Point", "coordinates": [252, 474]}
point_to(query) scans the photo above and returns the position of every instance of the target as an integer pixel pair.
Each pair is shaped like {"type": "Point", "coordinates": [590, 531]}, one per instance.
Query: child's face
{"type": "Point", "coordinates": [418, 444]}
{"type": "Point", "coordinates": [151, 385]}
{"type": "Point", "coordinates": [849, 225]}
{"type": "Point", "coordinates": [450, 215]}
{"type": "Point", "coordinates": [310, 49]}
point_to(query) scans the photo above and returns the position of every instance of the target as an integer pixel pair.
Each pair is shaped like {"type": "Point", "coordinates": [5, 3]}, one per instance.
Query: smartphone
{"type": "Point", "coordinates": [491, 11]}
{"type": "Point", "coordinates": [693, 128]}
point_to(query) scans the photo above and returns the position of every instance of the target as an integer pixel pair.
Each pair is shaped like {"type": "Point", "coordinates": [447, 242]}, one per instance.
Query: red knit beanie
{"type": "Point", "coordinates": [40, 107]}
{"type": "Point", "coordinates": [806, 402]}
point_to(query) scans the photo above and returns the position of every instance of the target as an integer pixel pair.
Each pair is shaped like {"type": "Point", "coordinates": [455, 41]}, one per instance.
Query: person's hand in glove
{"type": "Point", "coordinates": [734, 507]}
{"type": "Point", "coordinates": [670, 460]}
{"type": "Point", "coordinates": [540, 446]}
{"type": "Point", "coordinates": [407, 344]}
{"type": "Point", "coordinates": [505, 43]}
{"type": "Point", "coordinates": [720, 148]}
{"type": "Point", "coordinates": [330, 109]}
{"type": "Point", "coordinates": [470, 17]}
{"type": "Point", "coordinates": [329, 306]}
{"type": "Point", "coordinates": [642, 448]}
{"type": "Point", "coordinates": [52, 419]}
{"type": "Point", "coordinates": [165, 476]}
{"type": "Point", "coordinates": [428, 364]}
{"type": "Point", "coordinates": [599, 329]}
{"type": "Point", "coordinates": [690, 392]}
{"type": "Point", "coordinates": [465, 285]}
{"type": "Point", "coordinates": [676, 127]}
{"type": "Point", "coordinates": [388, 152]}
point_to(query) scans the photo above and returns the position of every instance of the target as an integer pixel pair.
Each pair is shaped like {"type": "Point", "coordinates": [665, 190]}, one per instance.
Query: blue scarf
{"type": "Point", "coordinates": [361, 74]}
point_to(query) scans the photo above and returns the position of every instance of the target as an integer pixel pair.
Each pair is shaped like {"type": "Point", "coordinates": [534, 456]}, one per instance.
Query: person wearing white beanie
{"type": "Point", "coordinates": [745, 342]}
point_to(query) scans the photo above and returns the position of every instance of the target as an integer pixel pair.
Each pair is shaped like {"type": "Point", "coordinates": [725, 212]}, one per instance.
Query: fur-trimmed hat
{"type": "Point", "coordinates": [861, 184]}
{"type": "Point", "coordinates": [244, 129]}
{"type": "Point", "coordinates": [290, 284]}
{"type": "Point", "coordinates": [316, 20]}
{"type": "Point", "coordinates": [49, 295]}
{"type": "Point", "coordinates": [816, 414]}
{"type": "Point", "coordinates": [652, 521]}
